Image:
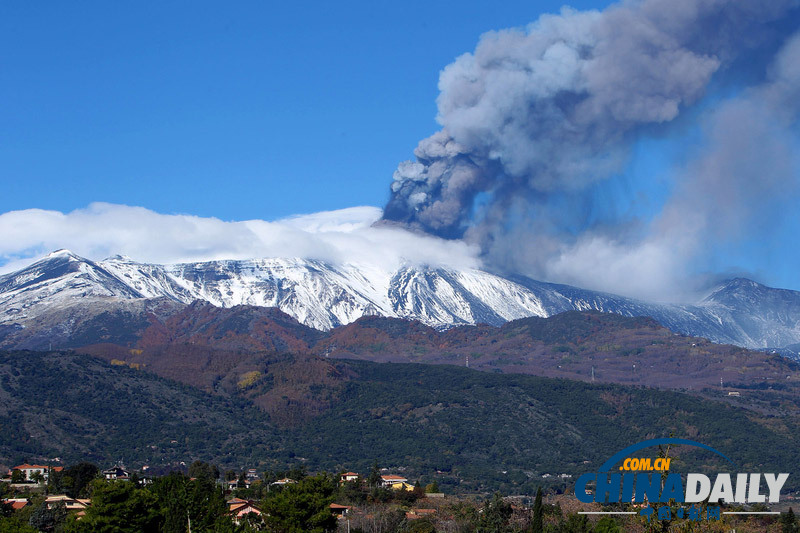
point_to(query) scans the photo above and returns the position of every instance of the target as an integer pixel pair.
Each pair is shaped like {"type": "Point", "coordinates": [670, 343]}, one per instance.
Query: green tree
{"type": "Point", "coordinates": [119, 507]}
{"type": "Point", "coordinates": [351, 492]}
{"type": "Point", "coordinates": [423, 525]}
{"type": "Point", "coordinates": [374, 479]}
{"type": "Point", "coordinates": [465, 515]}
{"type": "Point", "coordinates": [15, 524]}
{"type": "Point", "coordinates": [537, 522]}
{"type": "Point", "coordinates": [45, 518]}
{"type": "Point", "coordinates": [170, 491]}
{"type": "Point", "coordinates": [17, 476]}
{"type": "Point", "coordinates": [496, 515]}
{"type": "Point", "coordinates": [381, 495]}
{"type": "Point", "coordinates": [199, 469]}
{"type": "Point", "coordinates": [576, 523]}
{"type": "Point", "coordinates": [297, 473]}
{"type": "Point", "coordinates": [789, 522]}
{"type": "Point", "coordinates": [75, 479]}
{"type": "Point", "coordinates": [205, 502]}
{"type": "Point", "coordinates": [302, 507]}
{"type": "Point", "coordinates": [198, 502]}
{"type": "Point", "coordinates": [432, 488]}
{"type": "Point", "coordinates": [607, 525]}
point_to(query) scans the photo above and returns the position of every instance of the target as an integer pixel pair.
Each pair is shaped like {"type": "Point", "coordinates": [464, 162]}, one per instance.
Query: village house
{"type": "Point", "coordinates": [17, 503]}
{"type": "Point", "coordinates": [339, 511]}
{"type": "Point", "coordinates": [239, 484]}
{"type": "Point", "coordinates": [396, 482]}
{"type": "Point", "coordinates": [348, 476]}
{"type": "Point", "coordinates": [30, 472]}
{"type": "Point", "coordinates": [239, 508]}
{"type": "Point", "coordinates": [284, 481]}
{"type": "Point", "coordinates": [71, 504]}
{"type": "Point", "coordinates": [116, 473]}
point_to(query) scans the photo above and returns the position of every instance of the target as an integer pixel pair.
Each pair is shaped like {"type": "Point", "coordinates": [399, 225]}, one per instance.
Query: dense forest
{"type": "Point", "coordinates": [469, 431]}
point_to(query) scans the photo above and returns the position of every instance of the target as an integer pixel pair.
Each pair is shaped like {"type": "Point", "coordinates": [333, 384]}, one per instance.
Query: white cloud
{"type": "Point", "coordinates": [101, 230]}
{"type": "Point", "coordinates": [342, 220]}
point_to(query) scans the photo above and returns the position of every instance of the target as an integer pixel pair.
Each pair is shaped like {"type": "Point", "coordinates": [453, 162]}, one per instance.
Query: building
{"type": "Point", "coordinates": [29, 472]}
{"type": "Point", "coordinates": [238, 484]}
{"type": "Point", "coordinates": [239, 508]}
{"type": "Point", "coordinates": [17, 503]}
{"type": "Point", "coordinates": [284, 481]}
{"type": "Point", "coordinates": [116, 473]}
{"type": "Point", "coordinates": [348, 476]}
{"type": "Point", "coordinates": [339, 511]}
{"type": "Point", "coordinates": [72, 504]}
{"type": "Point", "coordinates": [396, 483]}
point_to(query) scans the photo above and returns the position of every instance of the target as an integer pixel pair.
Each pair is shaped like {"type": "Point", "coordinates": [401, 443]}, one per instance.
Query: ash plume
{"type": "Point", "coordinates": [535, 120]}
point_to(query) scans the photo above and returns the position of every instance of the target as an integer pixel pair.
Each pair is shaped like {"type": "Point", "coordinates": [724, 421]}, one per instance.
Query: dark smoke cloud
{"type": "Point", "coordinates": [536, 117]}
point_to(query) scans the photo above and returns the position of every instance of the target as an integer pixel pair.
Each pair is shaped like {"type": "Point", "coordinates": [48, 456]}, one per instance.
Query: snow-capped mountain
{"type": "Point", "coordinates": [58, 279]}
{"type": "Point", "coordinates": [324, 295]}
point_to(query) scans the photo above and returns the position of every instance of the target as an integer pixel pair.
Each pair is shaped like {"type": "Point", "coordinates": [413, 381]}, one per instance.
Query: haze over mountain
{"type": "Point", "coordinates": [48, 299]}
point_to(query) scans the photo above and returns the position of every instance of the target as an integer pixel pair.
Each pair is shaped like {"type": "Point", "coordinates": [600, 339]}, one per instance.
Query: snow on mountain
{"type": "Point", "coordinates": [763, 316]}
{"type": "Point", "coordinates": [323, 295]}
{"type": "Point", "coordinates": [58, 279]}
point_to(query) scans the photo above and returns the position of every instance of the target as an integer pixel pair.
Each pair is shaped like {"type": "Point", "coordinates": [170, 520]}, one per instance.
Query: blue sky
{"type": "Point", "coordinates": [255, 110]}
{"type": "Point", "coordinates": [237, 110]}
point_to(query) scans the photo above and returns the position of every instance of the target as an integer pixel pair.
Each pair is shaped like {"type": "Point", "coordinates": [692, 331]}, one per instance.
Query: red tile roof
{"type": "Point", "coordinates": [244, 508]}
{"type": "Point", "coordinates": [18, 505]}
{"type": "Point", "coordinates": [337, 506]}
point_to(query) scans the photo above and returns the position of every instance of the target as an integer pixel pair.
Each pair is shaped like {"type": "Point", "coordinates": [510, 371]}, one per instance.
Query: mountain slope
{"type": "Point", "coordinates": [323, 296]}
{"type": "Point", "coordinates": [80, 408]}
{"type": "Point", "coordinates": [509, 429]}
{"type": "Point", "coordinates": [762, 315]}
{"type": "Point", "coordinates": [216, 348]}
{"type": "Point", "coordinates": [480, 431]}
{"type": "Point", "coordinates": [588, 346]}
{"type": "Point", "coordinates": [58, 279]}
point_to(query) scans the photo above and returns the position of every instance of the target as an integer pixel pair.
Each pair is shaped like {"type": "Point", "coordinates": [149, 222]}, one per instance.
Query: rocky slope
{"type": "Point", "coordinates": [55, 295]}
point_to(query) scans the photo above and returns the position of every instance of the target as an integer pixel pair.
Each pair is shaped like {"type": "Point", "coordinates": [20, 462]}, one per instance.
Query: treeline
{"type": "Point", "coordinates": [177, 503]}
{"type": "Point", "coordinates": [169, 505]}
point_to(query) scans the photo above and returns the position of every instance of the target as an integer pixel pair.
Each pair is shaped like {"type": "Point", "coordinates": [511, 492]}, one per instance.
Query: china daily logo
{"type": "Point", "coordinates": [639, 480]}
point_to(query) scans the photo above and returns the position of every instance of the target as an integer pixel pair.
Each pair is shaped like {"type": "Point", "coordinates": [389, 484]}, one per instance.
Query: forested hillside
{"type": "Point", "coordinates": [479, 431]}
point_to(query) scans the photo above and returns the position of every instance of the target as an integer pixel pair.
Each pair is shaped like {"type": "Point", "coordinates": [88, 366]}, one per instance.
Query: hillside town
{"type": "Point", "coordinates": [35, 489]}
{"type": "Point", "coordinates": [84, 498]}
